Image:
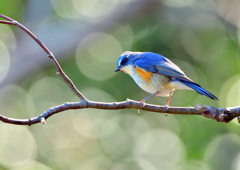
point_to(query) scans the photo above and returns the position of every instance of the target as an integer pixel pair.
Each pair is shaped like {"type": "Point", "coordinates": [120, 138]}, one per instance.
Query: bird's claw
{"type": "Point", "coordinates": [166, 109]}
{"type": "Point", "coordinates": [143, 102]}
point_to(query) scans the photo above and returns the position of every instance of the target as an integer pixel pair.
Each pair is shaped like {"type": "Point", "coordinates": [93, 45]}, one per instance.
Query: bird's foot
{"type": "Point", "coordinates": [166, 109]}
{"type": "Point", "coordinates": [143, 102]}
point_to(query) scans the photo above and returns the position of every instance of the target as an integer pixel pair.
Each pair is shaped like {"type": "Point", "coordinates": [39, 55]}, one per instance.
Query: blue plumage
{"type": "Point", "coordinates": [156, 74]}
{"type": "Point", "coordinates": [199, 89]}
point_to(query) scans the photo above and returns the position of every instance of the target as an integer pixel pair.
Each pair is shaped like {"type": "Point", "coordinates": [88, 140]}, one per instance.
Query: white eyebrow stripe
{"type": "Point", "coordinates": [119, 62]}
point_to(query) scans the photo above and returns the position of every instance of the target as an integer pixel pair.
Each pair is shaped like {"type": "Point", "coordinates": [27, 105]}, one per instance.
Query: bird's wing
{"type": "Point", "coordinates": [158, 64]}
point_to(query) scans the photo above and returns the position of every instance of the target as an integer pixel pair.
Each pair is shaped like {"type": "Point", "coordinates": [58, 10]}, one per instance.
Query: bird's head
{"type": "Point", "coordinates": [126, 61]}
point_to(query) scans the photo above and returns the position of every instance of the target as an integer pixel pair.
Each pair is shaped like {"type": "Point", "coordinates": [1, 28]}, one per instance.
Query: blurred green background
{"type": "Point", "coordinates": [87, 37]}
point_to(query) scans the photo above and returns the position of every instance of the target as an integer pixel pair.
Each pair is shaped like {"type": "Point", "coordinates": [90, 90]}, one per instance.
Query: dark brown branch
{"type": "Point", "coordinates": [219, 114]}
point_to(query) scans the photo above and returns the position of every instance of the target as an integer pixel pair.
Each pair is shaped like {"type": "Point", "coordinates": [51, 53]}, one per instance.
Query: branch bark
{"type": "Point", "coordinates": [219, 114]}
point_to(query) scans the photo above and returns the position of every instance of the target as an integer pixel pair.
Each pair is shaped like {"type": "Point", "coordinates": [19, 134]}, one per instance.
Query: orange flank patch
{"type": "Point", "coordinates": [145, 75]}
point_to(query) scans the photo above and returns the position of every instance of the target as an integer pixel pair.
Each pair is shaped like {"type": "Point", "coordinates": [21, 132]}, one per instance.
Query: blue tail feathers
{"type": "Point", "coordinates": [199, 89]}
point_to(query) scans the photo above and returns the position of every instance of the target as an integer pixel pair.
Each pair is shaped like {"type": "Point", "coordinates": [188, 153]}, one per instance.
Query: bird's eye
{"type": "Point", "coordinates": [124, 60]}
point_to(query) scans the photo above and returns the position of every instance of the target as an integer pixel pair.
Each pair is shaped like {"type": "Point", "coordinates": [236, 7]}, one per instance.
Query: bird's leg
{"type": "Point", "coordinates": [167, 104]}
{"type": "Point", "coordinates": [143, 100]}
{"type": "Point", "coordinates": [169, 98]}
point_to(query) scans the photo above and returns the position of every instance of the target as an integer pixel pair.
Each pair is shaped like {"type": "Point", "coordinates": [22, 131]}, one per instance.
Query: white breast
{"type": "Point", "coordinates": [127, 69]}
{"type": "Point", "coordinates": [157, 83]}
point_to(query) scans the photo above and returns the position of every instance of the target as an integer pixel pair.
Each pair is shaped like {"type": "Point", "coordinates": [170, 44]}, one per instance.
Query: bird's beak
{"type": "Point", "coordinates": [119, 68]}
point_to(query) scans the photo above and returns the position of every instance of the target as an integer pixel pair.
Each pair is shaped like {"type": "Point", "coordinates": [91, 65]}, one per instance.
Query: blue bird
{"type": "Point", "coordinates": [157, 75]}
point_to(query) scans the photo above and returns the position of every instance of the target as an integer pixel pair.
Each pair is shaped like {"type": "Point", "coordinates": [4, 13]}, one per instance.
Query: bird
{"type": "Point", "coordinates": [157, 75]}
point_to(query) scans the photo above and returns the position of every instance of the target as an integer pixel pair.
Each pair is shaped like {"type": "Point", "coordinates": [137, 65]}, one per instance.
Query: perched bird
{"type": "Point", "coordinates": [157, 75]}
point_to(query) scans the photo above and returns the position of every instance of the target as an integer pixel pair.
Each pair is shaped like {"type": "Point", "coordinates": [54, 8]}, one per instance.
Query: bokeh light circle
{"type": "Point", "coordinates": [98, 128]}
{"type": "Point", "coordinates": [134, 163]}
{"type": "Point", "coordinates": [236, 162]}
{"type": "Point", "coordinates": [94, 8]}
{"type": "Point", "coordinates": [177, 3]}
{"type": "Point", "coordinates": [48, 91]}
{"type": "Point", "coordinates": [97, 60]}
{"type": "Point", "coordinates": [89, 10]}
{"type": "Point", "coordinates": [17, 146]}
{"type": "Point", "coordinates": [233, 96]}
{"type": "Point", "coordinates": [222, 148]}
{"type": "Point", "coordinates": [116, 140]}
{"type": "Point", "coordinates": [33, 165]}
{"type": "Point", "coordinates": [65, 8]}
{"type": "Point", "coordinates": [21, 102]}
{"type": "Point", "coordinates": [7, 36]}
{"type": "Point", "coordinates": [168, 145]}
{"type": "Point", "coordinates": [124, 34]}
{"type": "Point", "coordinates": [97, 163]}
{"type": "Point", "coordinates": [230, 92]}
{"type": "Point", "coordinates": [4, 61]}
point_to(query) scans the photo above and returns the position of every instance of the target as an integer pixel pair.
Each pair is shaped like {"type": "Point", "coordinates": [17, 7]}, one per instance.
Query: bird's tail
{"type": "Point", "coordinates": [199, 89]}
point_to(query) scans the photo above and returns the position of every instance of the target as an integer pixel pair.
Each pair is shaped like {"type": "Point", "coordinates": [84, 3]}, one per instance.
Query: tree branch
{"type": "Point", "coordinates": [219, 114]}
